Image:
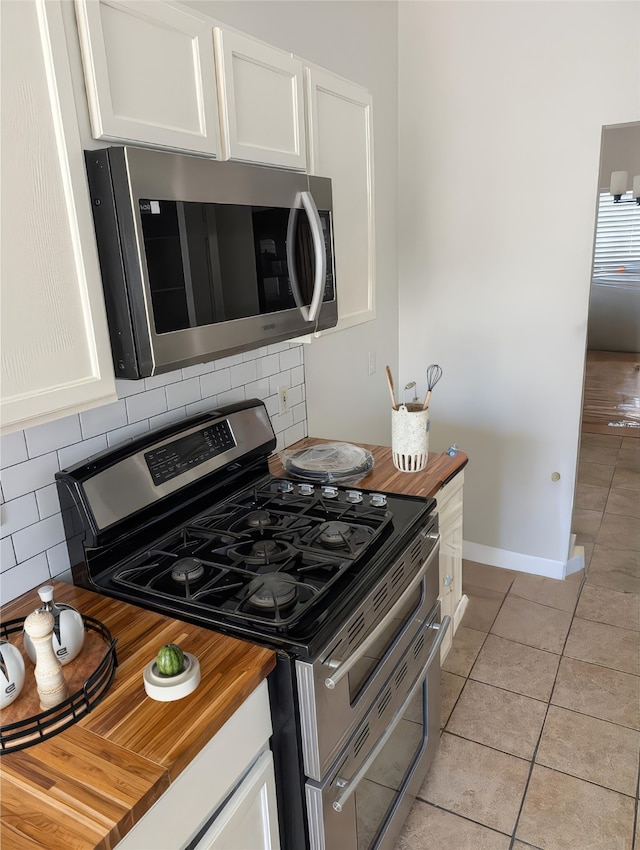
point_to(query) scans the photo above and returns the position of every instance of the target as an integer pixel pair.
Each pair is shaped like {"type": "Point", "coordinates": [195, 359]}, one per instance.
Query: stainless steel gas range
{"type": "Point", "coordinates": [341, 582]}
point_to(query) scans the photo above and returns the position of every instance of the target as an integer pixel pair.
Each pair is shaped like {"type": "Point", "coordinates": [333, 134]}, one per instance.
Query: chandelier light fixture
{"type": "Point", "coordinates": [619, 183]}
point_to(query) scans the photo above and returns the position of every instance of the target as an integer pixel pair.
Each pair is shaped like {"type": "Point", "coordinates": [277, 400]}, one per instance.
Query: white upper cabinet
{"type": "Point", "coordinates": [56, 356]}
{"type": "Point", "coordinates": [340, 140]}
{"type": "Point", "coordinates": [149, 74]}
{"type": "Point", "coordinates": [261, 102]}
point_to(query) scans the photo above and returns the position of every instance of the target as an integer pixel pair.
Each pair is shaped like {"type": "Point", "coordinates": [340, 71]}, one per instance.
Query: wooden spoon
{"type": "Point", "coordinates": [391, 392]}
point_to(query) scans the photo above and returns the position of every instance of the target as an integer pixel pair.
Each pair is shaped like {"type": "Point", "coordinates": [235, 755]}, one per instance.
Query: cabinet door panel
{"type": "Point", "coordinates": [341, 147]}
{"type": "Point", "coordinates": [149, 73]}
{"type": "Point", "coordinates": [249, 818]}
{"type": "Point", "coordinates": [261, 102]}
{"type": "Point", "coordinates": [56, 356]}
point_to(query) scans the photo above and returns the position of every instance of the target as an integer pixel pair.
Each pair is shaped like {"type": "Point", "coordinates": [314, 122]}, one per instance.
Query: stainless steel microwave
{"type": "Point", "coordinates": [202, 259]}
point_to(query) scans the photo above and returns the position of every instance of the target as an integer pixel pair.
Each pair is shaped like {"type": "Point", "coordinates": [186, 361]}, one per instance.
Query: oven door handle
{"type": "Point", "coordinates": [341, 668]}
{"type": "Point", "coordinates": [348, 786]}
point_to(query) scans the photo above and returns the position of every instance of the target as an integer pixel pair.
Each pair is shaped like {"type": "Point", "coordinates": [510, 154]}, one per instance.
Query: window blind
{"type": "Point", "coordinates": [617, 248]}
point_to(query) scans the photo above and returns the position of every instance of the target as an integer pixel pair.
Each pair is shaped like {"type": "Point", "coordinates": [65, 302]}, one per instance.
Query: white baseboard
{"type": "Point", "coordinates": [513, 560]}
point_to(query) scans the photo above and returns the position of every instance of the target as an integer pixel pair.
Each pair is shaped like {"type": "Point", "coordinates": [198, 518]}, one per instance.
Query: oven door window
{"type": "Point", "coordinates": [211, 263]}
{"type": "Point", "coordinates": [378, 792]}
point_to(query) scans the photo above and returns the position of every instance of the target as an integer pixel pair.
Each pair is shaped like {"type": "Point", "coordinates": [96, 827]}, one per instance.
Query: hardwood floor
{"type": "Point", "coordinates": [611, 403]}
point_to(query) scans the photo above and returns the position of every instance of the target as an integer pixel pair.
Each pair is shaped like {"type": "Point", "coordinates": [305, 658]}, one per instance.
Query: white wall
{"type": "Point", "coordinates": [357, 40]}
{"type": "Point", "coordinates": [501, 107]}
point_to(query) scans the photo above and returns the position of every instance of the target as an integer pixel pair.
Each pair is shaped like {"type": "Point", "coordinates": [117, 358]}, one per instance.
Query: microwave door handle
{"type": "Point", "coordinates": [321, 258]}
{"type": "Point", "coordinates": [348, 786]}
{"type": "Point", "coordinates": [309, 314]}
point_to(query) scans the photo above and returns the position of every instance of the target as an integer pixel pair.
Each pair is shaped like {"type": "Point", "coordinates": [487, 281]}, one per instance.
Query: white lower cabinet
{"type": "Point", "coordinates": [225, 799]}
{"type": "Point", "coordinates": [249, 819]}
{"type": "Point", "coordinates": [56, 354]}
{"type": "Point", "coordinates": [452, 600]}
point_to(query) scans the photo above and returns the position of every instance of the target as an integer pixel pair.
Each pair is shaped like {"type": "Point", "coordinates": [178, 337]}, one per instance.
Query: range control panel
{"type": "Point", "coordinates": [172, 459]}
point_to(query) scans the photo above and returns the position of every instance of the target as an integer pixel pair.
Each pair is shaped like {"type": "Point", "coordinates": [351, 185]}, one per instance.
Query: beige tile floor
{"type": "Point", "coordinates": [540, 743]}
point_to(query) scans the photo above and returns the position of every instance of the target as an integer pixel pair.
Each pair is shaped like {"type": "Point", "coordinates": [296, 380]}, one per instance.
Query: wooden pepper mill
{"type": "Point", "coordinates": [52, 688]}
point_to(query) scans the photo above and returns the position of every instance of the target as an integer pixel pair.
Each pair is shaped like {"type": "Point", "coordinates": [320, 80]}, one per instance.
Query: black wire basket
{"type": "Point", "coordinates": [31, 730]}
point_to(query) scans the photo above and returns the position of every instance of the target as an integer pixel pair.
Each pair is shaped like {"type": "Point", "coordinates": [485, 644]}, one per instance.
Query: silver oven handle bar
{"type": "Point", "coordinates": [348, 786]}
{"type": "Point", "coordinates": [341, 668]}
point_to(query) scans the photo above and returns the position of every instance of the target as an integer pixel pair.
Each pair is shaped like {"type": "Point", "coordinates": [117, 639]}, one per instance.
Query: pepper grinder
{"type": "Point", "coordinates": [52, 688]}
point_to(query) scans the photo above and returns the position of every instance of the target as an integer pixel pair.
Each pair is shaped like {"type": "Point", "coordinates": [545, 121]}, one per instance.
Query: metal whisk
{"type": "Point", "coordinates": [434, 373]}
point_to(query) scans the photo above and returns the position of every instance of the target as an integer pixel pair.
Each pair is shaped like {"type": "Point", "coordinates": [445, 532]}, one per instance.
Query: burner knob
{"type": "Point", "coordinates": [329, 492]}
{"type": "Point", "coordinates": [306, 489]}
{"type": "Point", "coordinates": [286, 487]}
{"type": "Point", "coordinates": [378, 500]}
{"type": "Point", "coordinates": [354, 496]}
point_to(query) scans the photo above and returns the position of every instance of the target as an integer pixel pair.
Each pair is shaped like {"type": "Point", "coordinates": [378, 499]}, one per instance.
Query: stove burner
{"type": "Point", "coordinates": [258, 519]}
{"type": "Point", "coordinates": [186, 569]}
{"type": "Point", "coordinates": [335, 533]}
{"type": "Point", "coordinates": [265, 550]}
{"type": "Point", "coordinates": [272, 591]}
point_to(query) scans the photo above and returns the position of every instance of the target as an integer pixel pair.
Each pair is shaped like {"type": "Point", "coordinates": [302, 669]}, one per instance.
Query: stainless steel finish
{"type": "Point", "coordinates": [180, 177]}
{"type": "Point", "coordinates": [348, 786]}
{"type": "Point", "coordinates": [343, 667]}
{"type": "Point", "coordinates": [309, 314]}
{"type": "Point", "coordinates": [127, 486]}
{"type": "Point", "coordinates": [327, 715]}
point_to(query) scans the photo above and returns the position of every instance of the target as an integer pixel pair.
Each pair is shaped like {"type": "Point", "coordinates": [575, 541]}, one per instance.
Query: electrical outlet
{"type": "Point", "coordinates": [372, 362]}
{"type": "Point", "coordinates": [283, 399]}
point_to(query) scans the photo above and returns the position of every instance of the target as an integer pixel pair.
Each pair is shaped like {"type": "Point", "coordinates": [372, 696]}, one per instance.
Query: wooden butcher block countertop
{"type": "Point", "coordinates": [87, 786]}
{"type": "Point", "coordinates": [384, 476]}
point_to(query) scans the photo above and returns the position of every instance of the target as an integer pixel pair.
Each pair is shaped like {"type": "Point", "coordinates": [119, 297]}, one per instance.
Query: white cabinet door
{"type": "Point", "coordinates": [452, 601]}
{"type": "Point", "coordinates": [261, 102]}
{"type": "Point", "coordinates": [149, 73]}
{"type": "Point", "coordinates": [340, 134]}
{"type": "Point", "coordinates": [248, 820]}
{"type": "Point", "coordinates": [56, 356]}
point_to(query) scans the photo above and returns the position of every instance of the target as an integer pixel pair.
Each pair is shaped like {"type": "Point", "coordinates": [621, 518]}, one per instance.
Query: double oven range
{"type": "Point", "coordinates": [341, 582]}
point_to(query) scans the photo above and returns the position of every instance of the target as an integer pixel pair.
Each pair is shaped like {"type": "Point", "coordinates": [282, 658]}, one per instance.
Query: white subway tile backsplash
{"type": "Point", "coordinates": [38, 537]}
{"type": "Point", "coordinates": [258, 389]}
{"type": "Point", "coordinates": [295, 433]}
{"type": "Point", "coordinates": [197, 370]}
{"type": "Point", "coordinates": [227, 362]}
{"type": "Point", "coordinates": [243, 373]}
{"type": "Point", "coordinates": [215, 382]}
{"type": "Point", "coordinates": [162, 380]}
{"type": "Point", "coordinates": [268, 365]}
{"type": "Point", "coordinates": [127, 388]}
{"type": "Point", "coordinates": [185, 392]}
{"type": "Point", "coordinates": [26, 576]}
{"type": "Point", "coordinates": [33, 547]}
{"type": "Point", "coordinates": [297, 376]}
{"type": "Point", "coordinates": [231, 396]}
{"type": "Point", "coordinates": [48, 501]}
{"type": "Point", "coordinates": [18, 514]}
{"type": "Point", "coordinates": [7, 555]}
{"type": "Point", "coordinates": [81, 451]}
{"type": "Point", "coordinates": [202, 406]}
{"type": "Point", "coordinates": [58, 558]}
{"type": "Point", "coordinates": [148, 404]}
{"type": "Point", "coordinates": [13, 449]}
{"type": "Point", "coordinates": [29, 475]}
{"type": "Point", "coordinates": [53, 435]}
{"type": "Point", "coordinates": [123, 435]}
{"type": "Point", "coordinates": [167, 418]}
{"type": "Point", "coordinates": [103, 419]}
{"type": "Point", "coordinates": [291, 358]}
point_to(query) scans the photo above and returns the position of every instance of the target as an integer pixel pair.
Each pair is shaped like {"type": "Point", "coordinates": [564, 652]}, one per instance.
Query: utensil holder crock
{"type": "Point", "coordinates": [410, 437]}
